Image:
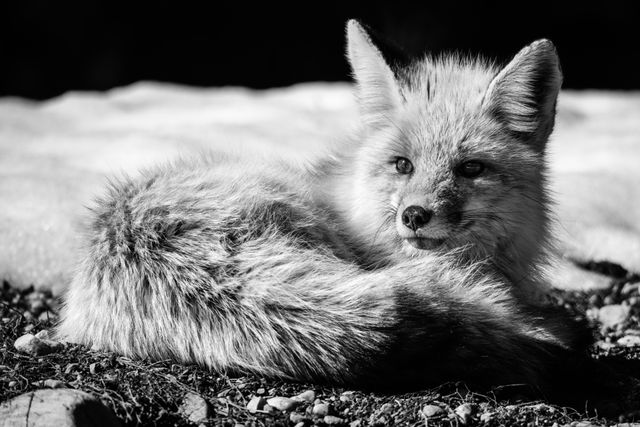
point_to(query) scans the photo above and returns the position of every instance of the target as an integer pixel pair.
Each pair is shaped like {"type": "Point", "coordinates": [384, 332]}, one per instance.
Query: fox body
{"type": "Point", "coordinates": [410, 257]}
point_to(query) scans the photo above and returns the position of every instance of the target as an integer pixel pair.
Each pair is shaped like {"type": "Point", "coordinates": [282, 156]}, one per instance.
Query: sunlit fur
{"type": "Point", "coordinates": [244, 264]}
{"type": "Point", "coordinates": [454, 109]}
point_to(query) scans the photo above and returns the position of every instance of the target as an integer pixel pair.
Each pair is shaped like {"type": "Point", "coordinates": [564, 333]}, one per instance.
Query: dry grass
{"type": "Point", "coordinates": [143, 392]}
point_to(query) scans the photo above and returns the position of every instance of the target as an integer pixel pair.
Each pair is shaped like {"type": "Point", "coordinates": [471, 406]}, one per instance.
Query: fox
{"type": "Point", "coordinates": [411, 256]}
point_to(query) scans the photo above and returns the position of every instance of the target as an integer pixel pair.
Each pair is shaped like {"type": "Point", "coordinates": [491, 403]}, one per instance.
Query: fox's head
{"type": "Point", "coordinates": [451, 155]}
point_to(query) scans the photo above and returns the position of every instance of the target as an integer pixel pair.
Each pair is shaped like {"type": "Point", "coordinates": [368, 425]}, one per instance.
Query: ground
{"type": "Point", "coordinates": [151, 392]}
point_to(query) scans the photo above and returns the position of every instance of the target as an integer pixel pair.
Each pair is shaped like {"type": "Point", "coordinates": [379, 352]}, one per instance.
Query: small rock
{"type": "Point", "coordinates": [94, 367]}
{"type": "Point", "coordinates": [604, 345]}
{"type": "Point", "coordinates": [612, 315]}
{"type": "Point", "coordinates": [28, 328]}
{"type": "Point", "coordinates": [260, 391]}
{"type": "Point", "coordinates": [12, 384]}
{"type": "Point", "coordinates": [332, 420]}
{"type": "Point", "coordinates": [46, 316]}
{"type": "Point", "coordinates": [356, 423]}
{"type": "Point", "coordinates": [320, 409]}
{"type": "Point", "coordinates": [61, 407]}
{"type": "Point", "coordinates": [194, 408]}
{"type": "Point", "coordinates": [256, 404]}
{"type": "Point", "coordinates": [486, 417]}
{"type": "Point", "coordinates": [297, 417]}
{"type": "Point", "coordinates": [37, 306]}
{"type": "Point", "coordinates": [43, 335]}
{"type": "Point", "coordinates": [35, 346]}
{"type": "Point", "coordinates": [347, 396]}
{"type": "Point", "coordinates": [629, 340]}
{"type": "Point", "coordinates": [300, 424]}
{"type": "Point", "coordinates": [283, 403]}
{"type": "Point", "coordinates": [465, 412]}
{"type": "Point", "coordinates": [51, 383]}
{"type": "Point", "coordinates": [432, 411]}
{"type": "Point", "coordinates": [269, 409]}
{"type": "Point", "coordinates": [629, 288]}
{"type": "Point", "coordinates": [306, 396]}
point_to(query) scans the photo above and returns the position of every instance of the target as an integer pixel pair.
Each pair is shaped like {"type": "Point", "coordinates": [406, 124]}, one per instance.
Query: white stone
{"type": "Point", "coordinates": [256, 404]}
{"type": "Point", "coordinates": [629, 340]}
{"type": "Point", "coordinates": [194, 408]}
{"type": "Point", "coordinates": [306, 396]}
{"type": "Point", "coordinates": [320, 409]}
{"type": "Point", "coordinates": [432, 410]}
{"type": "Point", "coordinates": [612, 315]}
{"type": "Point", "coordinates": [35, 346]}
{"type": "Point", "coordinates": [465, 412]}
{"type": "Point", "coordinates": [60, 408]}
{"type": "Point", "coordinates": [283, 403]}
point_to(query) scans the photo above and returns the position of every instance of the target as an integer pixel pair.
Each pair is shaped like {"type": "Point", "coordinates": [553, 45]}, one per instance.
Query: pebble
{"type": "Point", "coordinates": [195, 408]}
{"type": "Point", "coordinates": [629, 340]}
{"type": "Point", "coordinates": [629, 288]}
{"type": "Point", "coordinates": [46, 316]}
{"type": "Point", "coordinates": [43, 335]}
{"type": "Point", "coordinates": [432, 411]}
{"type": "Point", "coordinates": [283, 403]}
{"type": "Point", "coordinates": [355, 423]}
{"type": "Point", "coordinates": [256, 404]}
{"type": "Point", "coordinates": [612, 315]}
{"type": "Point", "coordinates": [60, 407]}
{"type": "Point", "coordinates": [347, 396]}
{"type": "Point", "coordinates": [12, 384]}
{"type": "Point", "coordinates": [332, 420]}
{"type": "Point", "coordinates": [297, 417]}
{"type": "Point", "coordinates": [35, 346]}
{"type": "Point", "coordinates": [465, 412]}
{"type": "Point", "coordinates": [320, 409]}
{"type": "Point", "coordinates": [306, 396]}
{"type": "Point", "coordinates": [486, 417]}
{"type": "Point", "coordinates": [51, 383]}
{"type": "Point", "coordinates": [94, 367]}
{"type": "Point", "coordinates": [269, 409]}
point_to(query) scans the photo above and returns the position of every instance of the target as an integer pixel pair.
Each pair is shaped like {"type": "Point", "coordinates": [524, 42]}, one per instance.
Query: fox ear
{"type": "Point", "coordinates": [523, 95]}
{"type": "Point", "coordinates": [378, 91]}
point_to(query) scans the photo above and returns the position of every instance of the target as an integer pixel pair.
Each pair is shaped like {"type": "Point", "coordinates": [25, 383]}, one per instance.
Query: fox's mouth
{"type": "Point", "coordinates": [424, 243]}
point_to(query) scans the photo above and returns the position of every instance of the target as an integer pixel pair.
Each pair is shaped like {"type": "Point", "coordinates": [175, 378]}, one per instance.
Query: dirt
{"type": "Point", "coordinates": [144, 392]}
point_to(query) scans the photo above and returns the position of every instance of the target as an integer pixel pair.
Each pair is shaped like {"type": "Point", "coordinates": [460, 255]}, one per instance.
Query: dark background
{"type": "Point", "coordinates": [49, 47]}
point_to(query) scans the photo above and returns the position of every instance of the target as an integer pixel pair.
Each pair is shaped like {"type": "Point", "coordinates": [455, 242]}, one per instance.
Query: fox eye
{"type": "Point", "coordinates": [470, 169]}
{"type": "Point", "coordinates": [404, 165]}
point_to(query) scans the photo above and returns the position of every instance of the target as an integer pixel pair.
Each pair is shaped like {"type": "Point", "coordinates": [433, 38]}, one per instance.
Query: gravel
{"type": "Point", "coordinates": [155, 392]}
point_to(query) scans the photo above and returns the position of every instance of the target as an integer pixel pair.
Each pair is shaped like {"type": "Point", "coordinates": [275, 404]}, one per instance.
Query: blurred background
{"type": "Point", "coordinates": [50, 47]}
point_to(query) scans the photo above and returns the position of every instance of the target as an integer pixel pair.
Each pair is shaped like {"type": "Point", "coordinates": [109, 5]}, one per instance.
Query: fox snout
{"type": "Point", "coordinates": [415, 217]}
{"type": "Point", "coordinates": [423, 226]}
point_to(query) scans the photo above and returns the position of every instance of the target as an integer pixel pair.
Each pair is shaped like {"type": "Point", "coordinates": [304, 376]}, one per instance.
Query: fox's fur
{"type": "Point", "coordinates": [244, 264]}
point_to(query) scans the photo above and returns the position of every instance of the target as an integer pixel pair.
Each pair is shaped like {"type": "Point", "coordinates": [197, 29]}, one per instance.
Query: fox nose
{"type": "Point", "coordinates": [415, 217]}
